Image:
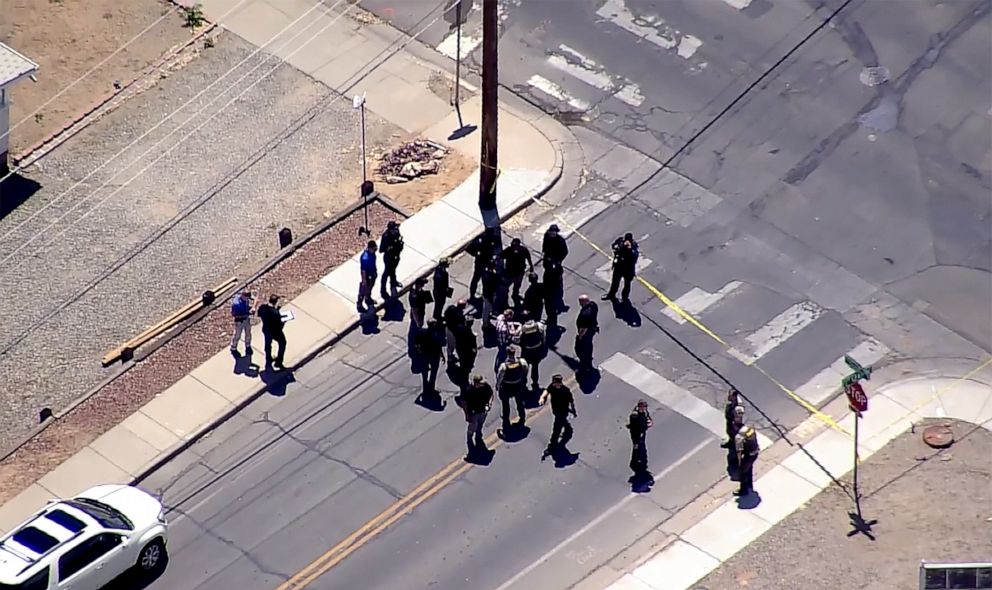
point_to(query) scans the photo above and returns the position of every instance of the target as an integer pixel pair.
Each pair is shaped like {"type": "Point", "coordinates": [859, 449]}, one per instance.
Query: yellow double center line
{"type": "Point", "coordinates": [397, 510]}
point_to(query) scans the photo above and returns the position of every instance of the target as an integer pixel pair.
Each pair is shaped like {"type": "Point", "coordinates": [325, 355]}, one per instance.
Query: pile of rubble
{"type": "Point", "coordinates": [411, 160]}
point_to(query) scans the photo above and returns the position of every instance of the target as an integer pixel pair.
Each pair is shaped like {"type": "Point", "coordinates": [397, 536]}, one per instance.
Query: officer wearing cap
{"type": "Point", "coordinates": [476, 401]}
{"type": "Point", "coordinates": [511, 378]}
{"type": "Point", "coordinates": [391, 246]}
{"type": "Point", "coordinates": [562, 404]}
{"type": "Point", "coordinates": [747, 454]}
{"type": "Point", "coordinates": [638, 424]}
{"type": "Point", "coordinates": [532, 348]}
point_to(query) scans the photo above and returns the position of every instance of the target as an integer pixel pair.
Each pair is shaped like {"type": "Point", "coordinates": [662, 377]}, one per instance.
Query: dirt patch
{"type": "Point", "coordinates": [67, 39]}
{"type": "Point", "coordinates": [930, 505]}
{"type": "Point", "coordinates": [178, 357]}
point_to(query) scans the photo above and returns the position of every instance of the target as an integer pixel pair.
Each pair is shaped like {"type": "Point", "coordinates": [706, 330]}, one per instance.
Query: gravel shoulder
{"type": "Point", "coordinates": [85, 268]}
{"type": "Point", "coordinates": [180, 355]}
{"type": "Point", "coordinates": [930, 505]}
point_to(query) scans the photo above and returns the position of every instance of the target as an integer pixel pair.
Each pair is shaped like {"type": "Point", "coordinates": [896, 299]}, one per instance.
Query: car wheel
{"type": "Point", "coordinates": [152, 556]}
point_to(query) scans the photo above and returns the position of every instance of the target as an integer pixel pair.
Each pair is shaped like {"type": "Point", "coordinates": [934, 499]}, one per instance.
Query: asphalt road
{"type": "Point", "coordinates": [820, 208]}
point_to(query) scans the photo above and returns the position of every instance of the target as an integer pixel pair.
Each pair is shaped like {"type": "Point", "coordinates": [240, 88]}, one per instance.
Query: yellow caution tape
{"type": "Point", "coordinates": [701, 327]}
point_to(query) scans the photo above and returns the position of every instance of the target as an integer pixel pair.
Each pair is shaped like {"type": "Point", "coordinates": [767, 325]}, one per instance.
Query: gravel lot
{"type": "Point", "coordinates": [63, 313]}
{"type": "Point", "coordinates": [179, 356]}
{"type": "Point", "coordinates": [929, 505]}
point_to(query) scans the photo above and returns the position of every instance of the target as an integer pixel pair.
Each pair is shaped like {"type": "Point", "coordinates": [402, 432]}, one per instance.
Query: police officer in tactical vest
{"type": "Point", "coordinates": [532, 349]}
{"type": "Point", "coordinates": [733, 400]}
{"type": "Point", "coordinates": [562, 404]}
{"type": "Point", "coordinates": [747, 453]}
{"type": "Point", "coordinates": [638, 424]}
{"type": "Point", "coordinates": [391, 246]}
{"type": "Point", "coordinates": [511, 379]}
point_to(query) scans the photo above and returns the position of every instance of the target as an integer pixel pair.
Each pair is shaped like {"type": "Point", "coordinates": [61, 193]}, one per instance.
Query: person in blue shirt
{"type": "Point", "coordinates": [368, 268]}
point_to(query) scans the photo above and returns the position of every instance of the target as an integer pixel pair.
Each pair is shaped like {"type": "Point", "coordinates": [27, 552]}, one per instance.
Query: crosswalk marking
{"type": "Point", "coordinates": [827, 381]}
{"type": "Point", "coordinates": [670, 395]}
{"type": "Point", "coordinates": [555, 91]}
{"type": "Point", "coordinates": [738, 4]}
{"type": "Point", "coordinates": [651, 28]}
{"type": "Point", "coordinates": [697, 300]}
{"type": "Point", "coordinates": [605, 270]}
{"type": "Point", "coordinates": [449, 45]}
{"type": "Point", "coordinates": [779, 329]}
{"type": "Point", "coordinates": [593, 74]}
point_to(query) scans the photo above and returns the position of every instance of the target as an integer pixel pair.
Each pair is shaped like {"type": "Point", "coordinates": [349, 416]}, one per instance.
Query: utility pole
{"type": "Point", "coordinates": [489, 167]}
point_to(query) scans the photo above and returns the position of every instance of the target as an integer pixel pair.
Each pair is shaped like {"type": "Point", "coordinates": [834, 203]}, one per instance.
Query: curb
{"type": "Point", "coordinates": [316, 349]}
{"type": "Point", "coordinates": [715, 498]}
{"type": "Point", "coordinates": [153, 346]}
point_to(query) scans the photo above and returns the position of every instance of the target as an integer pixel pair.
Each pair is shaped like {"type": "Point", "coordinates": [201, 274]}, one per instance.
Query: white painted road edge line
{"type": "Point", "coordinates": [629, 497]}
{"type": "Point", "coordinates": [779, 329]}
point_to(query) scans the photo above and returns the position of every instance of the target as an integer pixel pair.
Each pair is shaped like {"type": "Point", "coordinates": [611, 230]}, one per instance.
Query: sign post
{"type": "Point", "coordinates": [858, 402]}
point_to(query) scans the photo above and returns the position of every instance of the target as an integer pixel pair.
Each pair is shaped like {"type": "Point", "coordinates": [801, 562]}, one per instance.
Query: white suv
{"type": "Point", "coordinates": [85, 542]}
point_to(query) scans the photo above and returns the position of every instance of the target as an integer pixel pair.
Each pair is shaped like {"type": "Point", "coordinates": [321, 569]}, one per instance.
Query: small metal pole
{"type": "Point", "coordinates": [359, 103]}
{"type": "Point", "coordinates": [458, 62]}
{"type": "Point", "coordinates": [857, 492]}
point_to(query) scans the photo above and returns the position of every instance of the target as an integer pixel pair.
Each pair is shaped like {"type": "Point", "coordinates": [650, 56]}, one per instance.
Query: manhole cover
{"type": "Point", "coordinates": [938, 437]}
{"type": "Point", "coordinates": [874, 75]}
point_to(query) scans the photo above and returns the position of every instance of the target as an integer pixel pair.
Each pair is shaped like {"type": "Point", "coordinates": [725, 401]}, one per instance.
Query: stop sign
{"type": "Point", "coordinates": [856, 397]}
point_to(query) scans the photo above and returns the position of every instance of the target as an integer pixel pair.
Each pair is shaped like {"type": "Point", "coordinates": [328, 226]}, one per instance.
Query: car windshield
{"type": "Point", "coordinates": [108, 516]}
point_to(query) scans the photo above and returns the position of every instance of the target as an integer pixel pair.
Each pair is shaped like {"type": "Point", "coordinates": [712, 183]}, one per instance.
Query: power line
{"type": "Point", "coordinates": [230, 177]}
{"type": "Point", "coordinates": [87, 74]}
{"type": "Point", "coordinates": [156, 126]}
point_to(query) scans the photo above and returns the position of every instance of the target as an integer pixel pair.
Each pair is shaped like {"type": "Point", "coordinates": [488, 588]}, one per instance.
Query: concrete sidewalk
{"type": "Point", "coordinates": [352, 59]}
{"type": "Point", "coordinates": [708, 532]}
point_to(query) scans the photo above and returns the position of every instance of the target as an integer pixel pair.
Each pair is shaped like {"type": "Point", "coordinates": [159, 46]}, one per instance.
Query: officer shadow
{"type": "Point", "coordinates": [563, 457]}
{"type": "Point", "coordinates": [586, 379]}
{"type": "Point", "coordinates": [393, 310]}
{"type": "Point", "coordinates": [276, 382]}
{"type": "Point", "coordinates": [244, 365]}
{"type": "Point", "coordinates": [749, 501]}
{"type": "Point", "coordinates": [368, 320]}
{"type": "Point", "coordinates": [641, 483]}
{"type": "Point", "coordinates": [431, 401]}
{"type": "Point", "coordinates": [515, 433]}
{"type": "Point", "coordinates": [482, 457]}
{"type": "Point", "coordinates": [627, 313]}
{"type": "Point", "coordinates": [553, 335]}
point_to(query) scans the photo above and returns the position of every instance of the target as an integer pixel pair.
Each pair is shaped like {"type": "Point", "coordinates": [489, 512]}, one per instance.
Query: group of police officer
{"type": "Point", "coordinates": [522, 345]}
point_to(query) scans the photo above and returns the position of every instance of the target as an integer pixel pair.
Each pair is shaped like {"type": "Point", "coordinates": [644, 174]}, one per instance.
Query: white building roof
{"type": "Point", "coordinates": [14, 66]}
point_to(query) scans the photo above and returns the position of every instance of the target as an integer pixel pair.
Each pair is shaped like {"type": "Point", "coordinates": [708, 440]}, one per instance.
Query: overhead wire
{"type": "Point", "coordinates": [359, 76]}
{"type": "Point", "coordinates": [86, 177]}
{"type": "Point", "coordinates": [103, 62]}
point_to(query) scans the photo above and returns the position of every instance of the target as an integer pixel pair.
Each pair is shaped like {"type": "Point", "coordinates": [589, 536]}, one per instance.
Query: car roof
{"type": "Point", "coordinates": [23, 550]}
